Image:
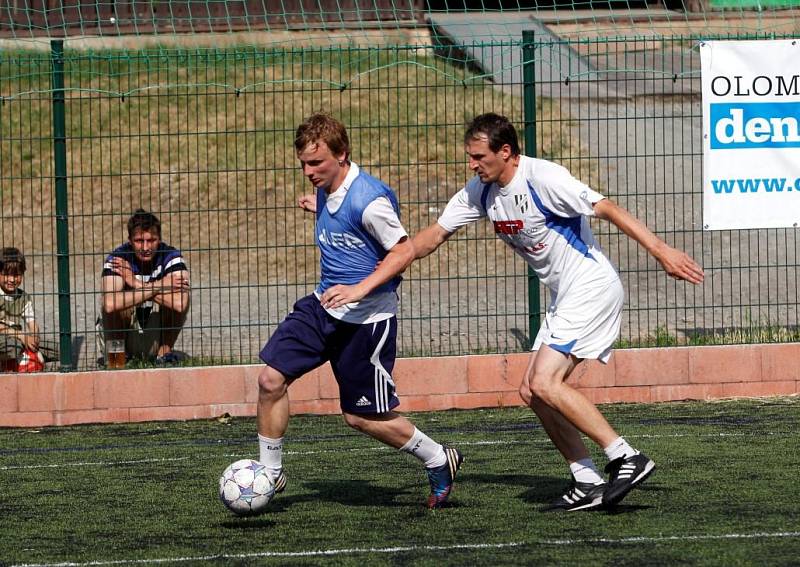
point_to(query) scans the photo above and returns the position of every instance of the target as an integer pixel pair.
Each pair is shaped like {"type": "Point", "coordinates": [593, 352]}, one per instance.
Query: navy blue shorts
{"type": "Point", "coordinates": [362, 356]}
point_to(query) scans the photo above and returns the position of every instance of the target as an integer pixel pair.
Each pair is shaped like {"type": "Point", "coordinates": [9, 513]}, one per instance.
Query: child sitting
{"type": "Point", "coordinates": [21, 349]}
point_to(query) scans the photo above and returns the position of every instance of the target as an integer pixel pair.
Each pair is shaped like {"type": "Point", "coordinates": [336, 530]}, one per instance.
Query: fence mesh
{"type": "Point", "coordinates": [203, 138]}
{"type": "Point", "coordinates": [300, 23]}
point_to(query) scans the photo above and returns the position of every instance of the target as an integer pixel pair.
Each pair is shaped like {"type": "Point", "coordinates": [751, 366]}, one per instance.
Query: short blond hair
{"type": "Point", "coordinates": [324, 127]}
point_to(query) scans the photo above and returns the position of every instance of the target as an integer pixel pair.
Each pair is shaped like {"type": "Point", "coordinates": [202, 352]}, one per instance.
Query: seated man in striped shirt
{"type": "Point", "coordinates": [145, 287]}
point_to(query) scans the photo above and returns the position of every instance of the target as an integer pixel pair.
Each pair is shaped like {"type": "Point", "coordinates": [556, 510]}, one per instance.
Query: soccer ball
{"type": "Point", "coordinates": [246, 488]}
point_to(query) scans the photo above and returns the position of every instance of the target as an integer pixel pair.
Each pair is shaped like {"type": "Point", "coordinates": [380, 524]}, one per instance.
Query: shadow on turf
{"type": "Point", "coordinates": [249, 523]}
{"type": "Point", "coordinates": [542, 490]}
{"type": "Point", "coordinates": [624, 509]}
{"type": "Point", "coordinates": [349, 492]}
{"type": "Point", "coordinates": [354, 493]}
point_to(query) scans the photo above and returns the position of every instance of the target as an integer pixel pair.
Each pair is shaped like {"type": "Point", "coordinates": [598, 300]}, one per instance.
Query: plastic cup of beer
{"type": "Point", "coordinates": [116, 354]}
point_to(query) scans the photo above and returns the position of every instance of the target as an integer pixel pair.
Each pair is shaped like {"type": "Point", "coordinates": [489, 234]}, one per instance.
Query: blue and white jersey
{"type": "Point", "coordinates": [356, 225]}
{"type": "Point", "coordinates": [166, 260]}
{"type": "Point", "coordinates": [541, 214]}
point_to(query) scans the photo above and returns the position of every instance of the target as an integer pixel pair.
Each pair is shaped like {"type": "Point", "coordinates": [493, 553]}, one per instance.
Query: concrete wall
{"type": "Point", "coordinates": [424, 384]}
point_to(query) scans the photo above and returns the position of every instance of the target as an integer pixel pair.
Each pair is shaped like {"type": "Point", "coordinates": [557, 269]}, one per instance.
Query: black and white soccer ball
{"type": "Point", "coordinates": [246, 488]}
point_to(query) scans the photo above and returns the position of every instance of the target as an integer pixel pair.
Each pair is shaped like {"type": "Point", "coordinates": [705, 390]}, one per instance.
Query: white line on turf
{"type": "Point", "coordinates": [351, 450]}
{"type": "Point", "coordinates": [413, 548]}
{"type": "Point", "coordinates": [660, 539]}
{"type": "Point", "coordinates": [92, 464]}
{"type": "Point", "coordinates": [210, 455]}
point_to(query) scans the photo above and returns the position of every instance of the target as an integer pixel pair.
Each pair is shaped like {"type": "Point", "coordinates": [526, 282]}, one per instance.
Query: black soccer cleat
{"type": "Point", "coordinates": [580, 496]}
{"type": "Point", "coordinates": [442, 478]}
{"type": "Point", "coordinates": [280, 482]}
{"type": "Point", "coordinates": [624, 474]}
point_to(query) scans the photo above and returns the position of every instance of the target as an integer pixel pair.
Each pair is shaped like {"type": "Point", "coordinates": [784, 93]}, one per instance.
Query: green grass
{"type": "Point", "coordinates": [724, 493]}
{"type": "Point", "coordinates": [753, 333]}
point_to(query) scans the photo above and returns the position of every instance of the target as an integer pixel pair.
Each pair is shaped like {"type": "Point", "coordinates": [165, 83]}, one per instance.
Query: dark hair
{"type": "Point", "coordinates": [12, 261]}
{"type": "Point", "coordinates": [322, 126]}
{"type": "Point", "coordinates": [496, 128]}
{"type": "Point", "coordinates": [144, 221]}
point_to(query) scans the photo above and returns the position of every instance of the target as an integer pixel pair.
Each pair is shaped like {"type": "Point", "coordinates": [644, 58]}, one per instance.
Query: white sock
{"type": "Point", "coordinates": [619, 448]}
{"type": "Point", "coordinates": [425, 449]}
{"type": "Point", "coordinates": [271, 454]}
{"type": "Point", "coordinates": [585, 471]}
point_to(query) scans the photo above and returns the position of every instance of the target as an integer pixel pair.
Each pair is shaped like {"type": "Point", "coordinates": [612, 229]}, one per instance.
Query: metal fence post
{"type": "Point", "coordinates": [529, 97]}
{"type": "Point", "coordinates": [62, 213]}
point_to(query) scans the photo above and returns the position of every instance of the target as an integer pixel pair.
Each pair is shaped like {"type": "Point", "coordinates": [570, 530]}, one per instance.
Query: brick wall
{"type": "Point", "coordinates": [635, 375]}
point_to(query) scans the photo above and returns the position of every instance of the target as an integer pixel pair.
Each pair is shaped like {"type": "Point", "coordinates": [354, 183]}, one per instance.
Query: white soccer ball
{"type": "Point", "coordinates": [246, 488]}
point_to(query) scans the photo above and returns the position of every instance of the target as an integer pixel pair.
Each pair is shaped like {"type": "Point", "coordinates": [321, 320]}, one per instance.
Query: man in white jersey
{"type": "Point", "coordinates": [540, 210]}
{"type": "Point", "coordinates": [351, 317]}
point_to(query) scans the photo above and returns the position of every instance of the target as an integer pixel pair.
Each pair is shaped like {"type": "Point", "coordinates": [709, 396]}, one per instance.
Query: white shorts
{"type": "Point", "coordinates": [584, 323]}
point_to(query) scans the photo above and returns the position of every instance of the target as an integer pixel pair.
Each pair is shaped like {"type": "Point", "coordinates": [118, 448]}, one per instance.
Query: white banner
{"type": "Point", "coordinates": [751, 134]}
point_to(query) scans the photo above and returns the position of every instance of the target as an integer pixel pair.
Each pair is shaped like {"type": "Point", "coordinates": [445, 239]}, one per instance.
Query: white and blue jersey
{"type": "Point", "coordinates": [542, 215]}
{"type": "Point", "coordinates": [356, 225]}
{"type": "Point", "coordinates": [166, 260]}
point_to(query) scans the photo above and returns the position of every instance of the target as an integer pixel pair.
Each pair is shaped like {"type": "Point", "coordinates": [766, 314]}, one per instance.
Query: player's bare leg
{"type": "Point", "coordinates": [627, 467]}
{"type": "Point", "coordinates": [390, 428]}
{"type": "Point", "coordinates": [272, 421]}
{"type": "Point", "coordinates": [547, 383]}
{"type": "Point", "coordinates": [562, 433]}
{"type": "Point", "coordinates": [273, 403]}
{"type": "Point", "coordinates": [441, 462]}
{"type": "Point", "coordinates": [588, 486]}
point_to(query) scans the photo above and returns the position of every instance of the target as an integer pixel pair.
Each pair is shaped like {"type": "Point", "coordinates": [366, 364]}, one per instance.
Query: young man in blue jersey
{"type": "Point", "coordinates": [350, 318]}
{"type": "Point", "coordinates": [540, 210]}
{"type": "Point", "coordinates": [145, 285]}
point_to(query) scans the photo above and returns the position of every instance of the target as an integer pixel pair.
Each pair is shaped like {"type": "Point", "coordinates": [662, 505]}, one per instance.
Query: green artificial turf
{"type": "Point", "coordinates": [724, 493]}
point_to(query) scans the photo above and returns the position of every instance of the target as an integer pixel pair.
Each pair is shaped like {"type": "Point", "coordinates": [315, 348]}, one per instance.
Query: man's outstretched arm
{"type": "Point", "coordinates": [427, 240]}
{"type": "Point", "coordinates": [676, 263]}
